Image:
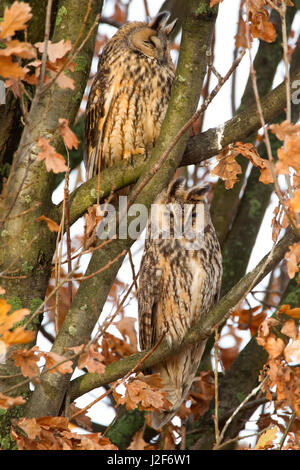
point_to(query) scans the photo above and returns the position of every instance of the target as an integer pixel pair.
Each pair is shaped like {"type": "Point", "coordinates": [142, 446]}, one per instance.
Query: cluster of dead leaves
{"type": "Point", "coordinates": [144, 392]}
{"type": "Point", "coordinates": [283, 348]}
{"type": "Point", "coordinates": [9, 334]}
{"type": "Point", "coordinates": [288, 161]}
{"type": "Point", "coordinates": [259, 25]}
{"type": "Point", "coordinates": [198, 398]}
{"type": "Point", "coordinates": [54, 161]}
{"type": "Point", "coordinates": [293, 260]}
{"type": "Point", "coordinates": [53, 433]}
{"type": "Point", "coordinates": [249, 318]}
{"type": "Point", "coordinates": [227, 167]}
{"type": "Point", "coordinates": [289, 153]}
{"type": "Point", "coordinates": [12, 52]}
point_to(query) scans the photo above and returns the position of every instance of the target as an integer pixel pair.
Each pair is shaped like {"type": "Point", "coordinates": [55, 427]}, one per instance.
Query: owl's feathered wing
{"type": "Point", "coordinates": [99, 104]}
{"type": "Point", "coordinates": [148, 297]}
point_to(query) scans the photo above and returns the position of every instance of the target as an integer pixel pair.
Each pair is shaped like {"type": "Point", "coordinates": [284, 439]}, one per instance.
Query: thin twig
{"type": "Point", "coordinates": [216, 381]}
{"type": "Point", "coordinates": [69, 250]}
{"type": "Point", "coordinates": [83, 278]}
{"type": "Point", "coordinates": [287, 429]}
{"type": "Point", "coordinates": [146, 9]}
{"type": "Point", "coordinates": [132, 269]}
{"type": "Point", "coordinates": [236, 411]}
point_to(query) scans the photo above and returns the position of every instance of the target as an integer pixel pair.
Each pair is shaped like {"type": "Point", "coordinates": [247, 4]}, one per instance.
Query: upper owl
{"type": "Point", "coordinates": [130, 93]}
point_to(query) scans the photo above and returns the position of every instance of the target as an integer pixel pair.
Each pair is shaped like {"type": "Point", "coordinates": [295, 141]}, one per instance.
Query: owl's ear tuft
{"type": "Point", "coordinates": [197, 193]}
{"type": "Point", "coordinates": [160, 20]}
{"type": "Point", "coordinates": [179, 183]}
{"type": "Point", "coordinates": [169, 28]}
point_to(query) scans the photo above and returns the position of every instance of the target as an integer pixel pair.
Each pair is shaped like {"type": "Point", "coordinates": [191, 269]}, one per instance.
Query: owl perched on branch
{"type": "Point", "coordinates": [180, 280]}
{"type": "Point", "coordinates": [130, 94]}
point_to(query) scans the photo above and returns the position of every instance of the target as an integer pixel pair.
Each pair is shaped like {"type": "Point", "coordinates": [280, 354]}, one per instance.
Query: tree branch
{"type": "Point", "coordinates": [200, 331]}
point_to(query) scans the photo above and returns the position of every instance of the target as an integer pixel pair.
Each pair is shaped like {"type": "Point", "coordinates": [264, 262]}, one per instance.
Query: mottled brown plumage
{"type": "Point", "coordinates": [129, 95]}
{"type": "Point", "coordinates": [180, 280]}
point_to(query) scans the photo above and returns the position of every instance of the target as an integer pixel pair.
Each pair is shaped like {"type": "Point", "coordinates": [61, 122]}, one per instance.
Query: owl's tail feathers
{"type": "Point", "coordinates": [176, 395]}
{"type": "Point", "coordinates": [159, 419]}
{"type": "Point", "coordinates": [177, 375]}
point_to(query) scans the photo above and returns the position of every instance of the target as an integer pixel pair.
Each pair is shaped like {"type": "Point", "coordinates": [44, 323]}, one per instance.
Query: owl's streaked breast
{"type": "Point", "coordinates": [140, 94]}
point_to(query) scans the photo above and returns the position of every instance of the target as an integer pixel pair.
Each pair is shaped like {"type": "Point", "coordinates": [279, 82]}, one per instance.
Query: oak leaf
{"type": "Point", "coordinates": [21, 49]}
{"type": "Point", "coordinates": [62, 79]}
{"type": "Point", "coordinates": [267, 438]}
{"type": "Point", "coordinates": [295, 201]}
{"type": "Point", "coordinates": [18, 336]}
{"type": "Point", "coordinates": [52, 225]}
{"type": "Point", "coordinates": [274, 346]}
{"type": "Point", "coordinates": [30, 427]}
{"type": "Point", "coordinates": [212, 3]}
{"type": "Point", "coordinates": [55, 50]}
{"type": "Point", "coordinates": [114, 348]}
{"type": "Point", "coordinates": [240, 37]}
{"type": "Point", "coordinates": [284, 129]}
{"type": "Point", "coordinates": [82, 420]}
{"type": "Point", "coordinates": [227, 168]}
{"type": "Point", "coordinates": [289, 155]}
{"type": "Point", "coordinates": [10, 69]}
{"type": "Point", "coordinates": [52, 433]}
{"type": "Point", "coordinates": [138, 442]}
{"type": "Point", "coordinates": [7, 321]}
{"type": "Point", "coordinates": [92, 360]}
{"type": "Point", "coordinates": [27, 361]}
{"type": "Point", "coordinates": [292, 351]}
{"type": "Point", "coordinates": [260, 26]}
{"type": "Point", "coordinates": [69, 137]}
{"type": "Point", "coordinates": [265, 330]}
{"type": "Point", "coordinates": [143, 391]}
{"type": "Point", "coordinates": [290, 329]}
{"type": "Point", "coordinates": [58, 363]}
{"type": "Point", "coordinates": [7, 402]}
{"type": "Point", "coordinates": [53, 160]}
{"type": "Point", "coordinates": [127, 329]}
{"type": "Point", "coordinates": [291, 312]}
{"type": "Point", "coordinates": [14, 19]}
{"type": "Point", "coordinates": [293, 260]}
{"type": "Point", "coordinates": [201, 394]}
{"type": "Point", "coordinates": [250, 152]}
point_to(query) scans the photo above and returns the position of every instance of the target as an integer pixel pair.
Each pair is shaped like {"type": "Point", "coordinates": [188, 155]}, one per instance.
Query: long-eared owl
{"type": "Point", "coordinates": [130, 94]}
{"type": "Point", "coordinates": [180, 279]}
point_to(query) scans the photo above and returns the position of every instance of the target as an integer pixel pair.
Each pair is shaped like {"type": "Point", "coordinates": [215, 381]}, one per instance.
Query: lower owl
{"type": "Point", "coordinates": [180, 280]}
